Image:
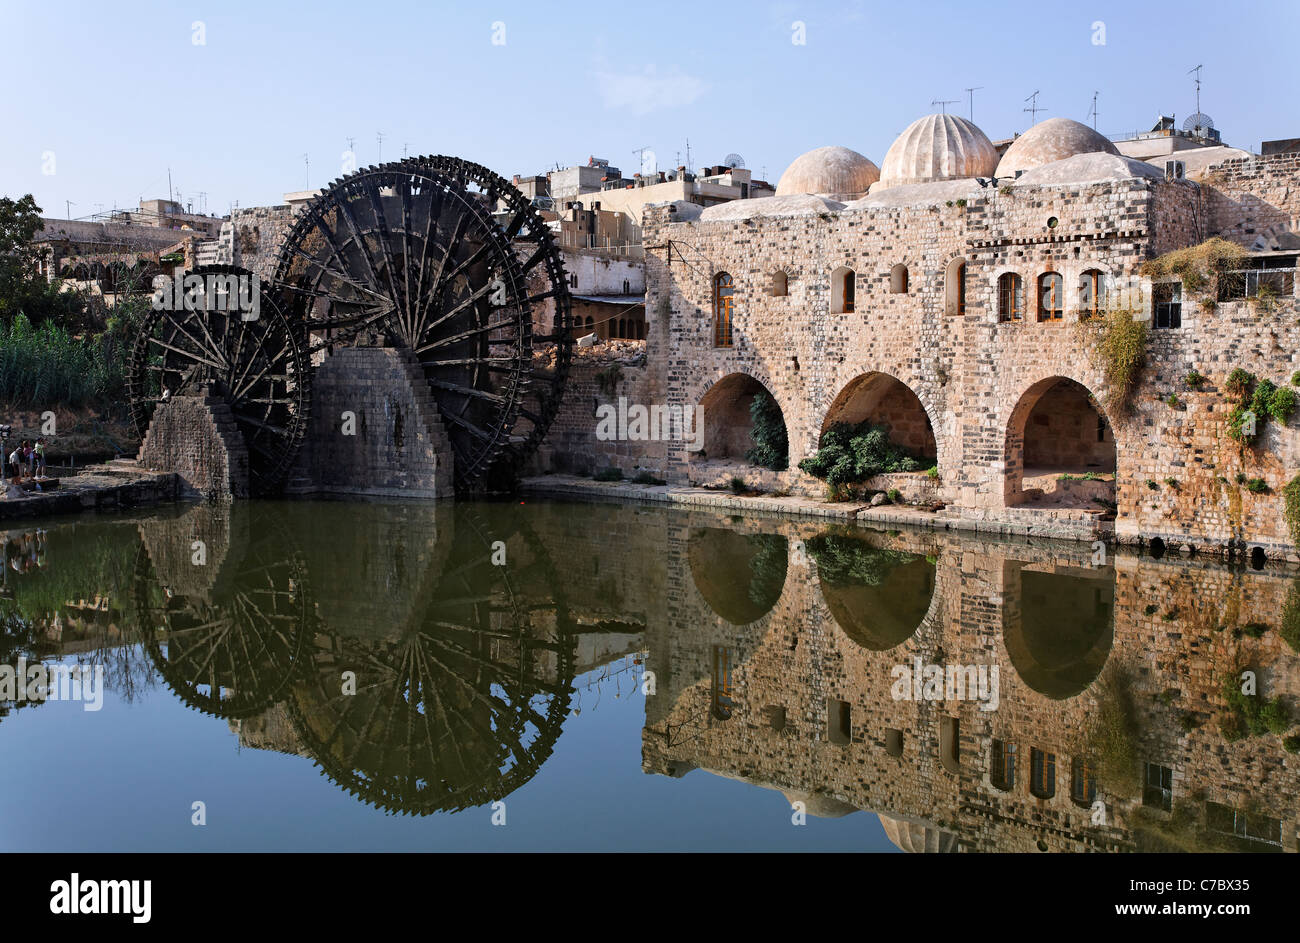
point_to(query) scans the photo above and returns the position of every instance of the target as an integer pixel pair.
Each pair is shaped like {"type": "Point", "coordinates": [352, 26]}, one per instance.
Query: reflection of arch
{"type": "Point", "coordinates": [727, 418]}
{"type": "Point", "coordinates": [1058, 428]}
{"type": "Point", "coordinates": [740, 576]}
{"type": "Point", "coordinates": [877, 597]}
{"type": "Point", "coordinates": [1058, 626]}
{"type": "Point", "coordinates": [888, 401]}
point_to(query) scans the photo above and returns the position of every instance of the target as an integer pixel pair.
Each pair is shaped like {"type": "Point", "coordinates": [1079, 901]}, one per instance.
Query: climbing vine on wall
{"type": "Point", "coordinates": [1199, 267]}
{"type": "Point", "coordinates": [1118, 344]}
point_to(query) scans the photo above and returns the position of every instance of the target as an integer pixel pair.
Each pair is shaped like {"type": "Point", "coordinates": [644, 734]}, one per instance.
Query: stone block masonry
{"type": "Point", "coordinates": [196, 437]}
{"type": "Point", "coordinates": [374, 430]}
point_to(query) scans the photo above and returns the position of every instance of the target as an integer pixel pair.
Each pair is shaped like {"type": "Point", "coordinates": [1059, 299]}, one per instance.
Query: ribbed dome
{"type": "Point", "coordinates": [938, 147]}
{"type": "Point", "coordinates": [1053, 139]}
{"type": "Point", "coordinates": [917, 837]}
{"type": "Point", "coordinates": [837, 172]}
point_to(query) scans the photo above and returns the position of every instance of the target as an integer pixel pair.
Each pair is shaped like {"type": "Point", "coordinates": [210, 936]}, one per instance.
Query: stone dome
{"type": "Point", "coordinates": [1053, 139]}
{"type": "Point", "coordinates": [938, 147]}
{"type": "Point", "coordinates": [834, 171]}
{"type": "Point", "coordinates": [917, 837]}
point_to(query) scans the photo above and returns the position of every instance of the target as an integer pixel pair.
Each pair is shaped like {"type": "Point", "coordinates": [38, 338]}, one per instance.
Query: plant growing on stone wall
{"type": "Point", "coordinates": [609, 378]}
{"type": "Point", "coordinates": [771, 447]}
{"type": "Point", "coordinates": [894, 495]}
{"type": "Point", "coordinates": [1295, 378]}
{"type": "Point", "coordinates": [1256, 485]}
{"type": "Point", "coordinates": [852, 453]}
{"type": "Point", "coordinates": [1291, 512]}
{"type": "Point", "coordinates": [1251, 714]}
{"type": "Point", "coordinates": [1173, 401]}
{"type": "Point", "coordinates": [1118, 346]}
{"type": "Point", "coordinates": [1194, 379]}
{"type": "Point", "coordinates": [1200, 266]}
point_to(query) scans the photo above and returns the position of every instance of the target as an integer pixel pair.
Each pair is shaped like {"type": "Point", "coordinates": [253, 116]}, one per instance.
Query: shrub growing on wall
{"type": "Point", "coordinates": [1199, 267]}
{"type": "Point", "coordinates": [1118, 344]}
{"type": "Point", "coordinates": [854, 453]}
{"type": "Point", "coordinates": [771, 447]}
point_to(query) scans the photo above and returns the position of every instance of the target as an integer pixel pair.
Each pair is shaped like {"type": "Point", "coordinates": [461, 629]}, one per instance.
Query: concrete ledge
{"type": "Point", "coordinates": [97, 488]}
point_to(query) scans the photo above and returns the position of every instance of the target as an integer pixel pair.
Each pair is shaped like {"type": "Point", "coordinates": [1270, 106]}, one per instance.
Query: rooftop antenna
{"type": "Point", "coordinates": [379, 136]}
{"type": "Point", "coordinates": [169, 184]}
{"type": "Point", "coordinates": [944, 103]}
{"type": "Point", "coordinates": [67, 208]}
{"type": "Point", "coordinates": [1033, 108]}
{"type": "Point", "coordinates": [307, 162]}
{"type": "Point", "coordinates": [971, 93]}
{"type": "Point", "coordinates": [1197, 70]}
{"type": "Point", "coordinates": [1093, 114]}
{"type": "Point", "coordinates": [405, 145]}
{"type": "Point", "coordinates": [688, 156]}
{"type": "Point", "coordinates": [640, 157]}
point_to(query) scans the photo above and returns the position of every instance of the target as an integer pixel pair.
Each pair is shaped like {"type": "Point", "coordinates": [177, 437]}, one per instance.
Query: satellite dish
{"type": "Point", "coordinates": [1198, 122]}
{"type": "Point", "coordinates": [735, 162]}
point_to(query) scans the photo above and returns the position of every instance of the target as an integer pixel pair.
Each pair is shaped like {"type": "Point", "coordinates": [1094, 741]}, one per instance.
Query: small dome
{"type": "Point", "coordinates": [917, 837]}
{"type": "Point", "coordinates": [1053, 139]}
{"type": "Point", "coordinates": [836, 172]}
{"type": "Point", "coordinates": [938, 147]}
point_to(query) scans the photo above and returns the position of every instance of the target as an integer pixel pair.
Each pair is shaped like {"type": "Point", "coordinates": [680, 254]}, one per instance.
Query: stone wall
{"type": "Point", "coordinates": [197, 438]}
{"type": "Point", "coordinates": [392, 443]}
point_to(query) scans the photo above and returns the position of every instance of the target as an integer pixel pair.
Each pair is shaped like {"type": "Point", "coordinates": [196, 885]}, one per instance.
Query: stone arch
{"type": "Point", "coordinates": [779, 283]}
{"type": "Point", "coordinates": [844, 292]}
{"type": "Point", "coordinates": [739, 576]}
{"type": "Point", "coordinates": [899, 279]}
{"type": "Point", "coordinates": [1058, 625]}
{"type": "Point", "coordinates": [1060, 448]}
{"type": "Point", "coordinates": [727, 423]}
{"type": "Point", "coordinates": [878, 597]}
{"type": "Point", "coordinates": [886, 400]}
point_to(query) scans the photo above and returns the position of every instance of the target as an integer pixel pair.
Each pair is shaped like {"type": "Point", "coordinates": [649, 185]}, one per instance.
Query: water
{"type": "Point", "coordinates": [357, 676]}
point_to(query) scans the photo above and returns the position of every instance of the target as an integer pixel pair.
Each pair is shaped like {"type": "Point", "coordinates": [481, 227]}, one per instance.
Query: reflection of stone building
{"type": "Point", "coordinates": [801, 697]}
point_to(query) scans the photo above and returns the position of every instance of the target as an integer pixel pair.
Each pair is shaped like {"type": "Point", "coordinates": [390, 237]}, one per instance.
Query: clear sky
{"type": "Point", "coordinates": [101, 98]}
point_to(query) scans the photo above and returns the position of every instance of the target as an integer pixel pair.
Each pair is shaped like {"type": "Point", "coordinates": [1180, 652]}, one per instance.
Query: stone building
{"type": "Point", "coordinates": [954, 295]}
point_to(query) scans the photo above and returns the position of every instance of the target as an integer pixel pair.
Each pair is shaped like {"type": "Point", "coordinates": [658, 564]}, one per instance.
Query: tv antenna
{"type": "Point", "coordinates": [970, 92]}
{"type": "Point", "coordinates": [405, 145]}
{"type": "Point", "coordinates": [379, 136]}
{"type": "Point", "coordinates": [1033, 108]}
{"type": "Point", "coordinates": [640, 157]}
{"type": "Point", "coordinates": [307, 163]}
{"type": "Point", "coordinates": [1093, 113]}
{"type": "Point", "coordinates": [1197, 70]}
{"type": "Point", "coordinates": [944, 103]}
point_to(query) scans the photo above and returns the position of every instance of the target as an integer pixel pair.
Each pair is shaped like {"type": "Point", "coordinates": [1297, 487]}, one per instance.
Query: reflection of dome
{"type": "Point", "coordinates": [820, 804]}
{"type": "Point", "coordinates": [837, 172]}
{"type": "Point", "coordinates": [917, 837]}
{"type": "Point", "coordinates": [938, 147]}
{"type": "Point", "coordinates": [1053, 139]}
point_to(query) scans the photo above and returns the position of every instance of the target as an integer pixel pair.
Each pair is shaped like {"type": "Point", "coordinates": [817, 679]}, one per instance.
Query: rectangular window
{"type": "Point", "coordinates": [1042, 773]}
{"type": "Point", "coordinates": [1167, 304]}
{"type": "Point", "coordinates": [1251, 826]}
{"type": "Point", "coordinates": [839, 721]}
{"type": "Point", "coordinates": [1158, 787]}
{"type": "Point", "coordinates": [1272, 277]}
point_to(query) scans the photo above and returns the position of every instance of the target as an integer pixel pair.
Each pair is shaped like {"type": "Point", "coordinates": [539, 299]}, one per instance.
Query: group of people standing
{"type": "Point", "coordinates": [27, 459]}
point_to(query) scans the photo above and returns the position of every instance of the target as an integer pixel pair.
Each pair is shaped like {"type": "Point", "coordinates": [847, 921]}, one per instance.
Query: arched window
{"type": "Point", "coordinates": [1011, 297]}
{"type": "Point", "coordinates": [590, 323]}
{"type": "Point", "coordinates": [1092, 293]}
{"type": "Point", "coordinates": [780, 284]}
{"type": "Point", "coordinates": [1042, 773]}
{"type": "Point", "coordinates": [954, 288]}
{"type": "Point", "coordinates": [724, 306]}
{"type": "Point", "coordinates": [723, 700]}
{"type": "Point", "coordinates": [1083, 782]}
{"type": "Point", "coordinates": [898, 279]}
{"type": "Point", "coordinates": [1002, 767]}
{"type": "Point", "coordinates": [1051, 296]}
{"type": "Point", "coordinates": [950, 744]}
{"type": "Point", "coordinates": [843, 290]}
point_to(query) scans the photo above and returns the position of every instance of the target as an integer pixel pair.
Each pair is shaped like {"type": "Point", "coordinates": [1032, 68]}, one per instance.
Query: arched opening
{"type": "Point", "coordinates": [843, 290]}
{"type": "Point", "coordinates": [742, 424]}
{"type": "Point", "coordinates": [1092, 293]}
{"type": "Point", "coordinates": [898, 279]}
{"type": "Point", "coordinates": [886, 401]}
{"type": "Point", "coordinates": [877, 597]}
{"type": "Point", "coordinates": [1042, 773]}
{"type": "Point", "coordinates": [1058, 626]}
{"type": "Point", "coordinates": [1060, 450]}
{"type": "Point", "coordinates": [1011, 297]}
{"type": "Point", "coordinates": [780, 284]}
{"type": "Point", "coordinates": [724, 307]}
{"type": "Point", "coordinates": [739, 575]}
{"type": "Point", "coordinates": [954, 288]}
{"type": "Point", "coordinates": [950, 743]}
{"type": "Point", "coordinates": [722, 690]}
{"type": "Point", "coordinates": [1051, 296]}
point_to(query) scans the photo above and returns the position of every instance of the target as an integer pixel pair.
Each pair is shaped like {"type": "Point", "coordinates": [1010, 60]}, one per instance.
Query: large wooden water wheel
{"type": "Point", "coordinates": [426, 252]}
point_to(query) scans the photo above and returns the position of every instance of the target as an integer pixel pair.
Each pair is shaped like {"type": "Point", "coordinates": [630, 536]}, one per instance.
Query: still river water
{"type": "Point", "coordinates": [551, 675]}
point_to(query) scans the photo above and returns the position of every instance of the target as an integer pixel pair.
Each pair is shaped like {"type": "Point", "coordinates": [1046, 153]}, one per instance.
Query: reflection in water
{"type": "Point", "coordinates": [1064, 631]}
{"type": "Point", "coordinates": [740, 575]}
{"type": "Point", "coordinates": [877, 596]}
{"type": "Point", "coordinates": [425, 657]}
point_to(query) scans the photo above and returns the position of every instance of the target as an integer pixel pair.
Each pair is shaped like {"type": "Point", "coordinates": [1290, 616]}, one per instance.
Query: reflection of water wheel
{"type": "Point", "coordinates": [258, 366]}
{"type": "Point", "coordinates": [236, 653]}
{"type": "Point", "coordinates": [466, 705]}
{"type": "Point", "coordinates": [409, 249]}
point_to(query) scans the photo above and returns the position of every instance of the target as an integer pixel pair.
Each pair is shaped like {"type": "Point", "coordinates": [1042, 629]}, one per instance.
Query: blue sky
{"type": "Point", "coordinates": [109, 95]}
